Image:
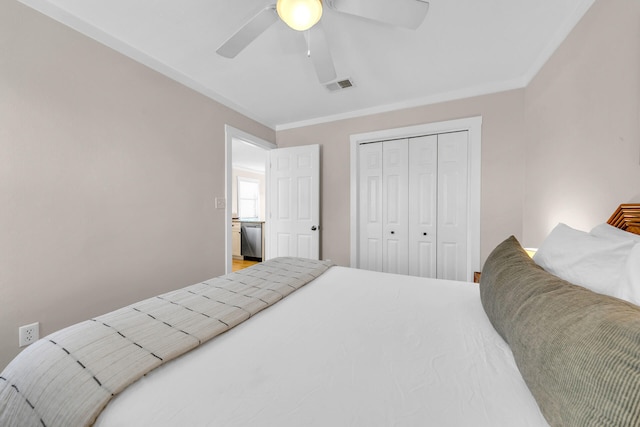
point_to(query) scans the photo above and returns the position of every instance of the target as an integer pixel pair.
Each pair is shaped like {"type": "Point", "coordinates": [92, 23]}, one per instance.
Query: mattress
{"type": "Point", "coordinates": [351, 348]}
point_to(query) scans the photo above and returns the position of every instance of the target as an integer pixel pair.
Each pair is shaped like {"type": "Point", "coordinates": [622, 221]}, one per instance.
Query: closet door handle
{"type": "Point", "coordinates": [314, 228]}
{"type": "Point", "coordinates": [424, 234]}
{"type": "Point", "coordinates": [393, 232]}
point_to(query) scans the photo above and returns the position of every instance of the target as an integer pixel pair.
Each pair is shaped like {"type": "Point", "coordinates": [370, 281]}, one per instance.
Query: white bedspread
{"type": "Point", "coordinates": [352, 348]}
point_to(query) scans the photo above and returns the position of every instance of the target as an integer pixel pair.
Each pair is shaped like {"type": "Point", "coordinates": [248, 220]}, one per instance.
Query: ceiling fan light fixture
{"type": "Point", "coordinates": [299, 14]}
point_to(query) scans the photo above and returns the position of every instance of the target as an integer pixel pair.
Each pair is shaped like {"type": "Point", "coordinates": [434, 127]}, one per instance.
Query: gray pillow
{"type": "Point", "coordinates": [578, 351]}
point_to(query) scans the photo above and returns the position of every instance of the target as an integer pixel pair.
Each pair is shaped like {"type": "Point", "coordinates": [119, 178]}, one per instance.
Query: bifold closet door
{"type": "Point", "coordinates": [413, 206]}
{"type": "Point", "coordinates": [383, 211]}
{"type": "Point", "coordinates": [452, 205]}
{"type": "Point", "coordinates": [370, 206]}
{"type": "Point", "coordinates": [395, 215]}
{"type": "Point", "coordinates": [423, 196]}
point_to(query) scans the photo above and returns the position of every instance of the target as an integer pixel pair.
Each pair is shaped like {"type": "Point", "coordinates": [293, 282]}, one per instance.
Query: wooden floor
{"type": "Point", "coordinates": [239, 264]}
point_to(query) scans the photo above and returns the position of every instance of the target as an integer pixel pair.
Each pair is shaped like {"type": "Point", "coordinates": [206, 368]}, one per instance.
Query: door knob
{"type": "Point", "coordinates": [393, 232]}
{"type": "Point", "coordinates": [314, 228]}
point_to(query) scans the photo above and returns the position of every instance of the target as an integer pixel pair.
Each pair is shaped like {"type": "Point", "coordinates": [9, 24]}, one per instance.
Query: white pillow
{"type": "Point", "coordinates": [629, 287]}
{"type": "Point", "coordinates": [584, 259]}
{"type": "Point", "coordinates": [609, 231]}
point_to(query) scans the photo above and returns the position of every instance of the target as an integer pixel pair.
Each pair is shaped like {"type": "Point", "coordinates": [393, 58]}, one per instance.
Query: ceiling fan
{"type": "Point", "coordinates": [304, 15]}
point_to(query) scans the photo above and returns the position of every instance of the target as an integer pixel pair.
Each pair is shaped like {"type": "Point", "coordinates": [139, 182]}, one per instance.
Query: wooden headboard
{"type": "Point", "coordinates": [627, 217]}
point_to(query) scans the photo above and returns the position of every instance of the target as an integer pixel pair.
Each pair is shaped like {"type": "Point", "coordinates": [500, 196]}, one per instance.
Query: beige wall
{"type": "Point", "coordinates": [502, 164]}
{"type": "Point", "coordinates": [108, 173]}
{"type": "Point", "coordinates": [583, 124]}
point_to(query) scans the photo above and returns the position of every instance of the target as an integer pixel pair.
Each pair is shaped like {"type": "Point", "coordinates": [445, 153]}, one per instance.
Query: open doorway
{"type": "Point", "coordinates": [246, 195]}
{"type": "Point", "coordinates": [248, 209]}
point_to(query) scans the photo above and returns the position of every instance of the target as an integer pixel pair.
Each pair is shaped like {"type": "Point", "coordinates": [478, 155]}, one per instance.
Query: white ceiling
{"type": "Point", "coordinates": [464, 48]}
{"type": "Point", "coordinates": [248, 156]}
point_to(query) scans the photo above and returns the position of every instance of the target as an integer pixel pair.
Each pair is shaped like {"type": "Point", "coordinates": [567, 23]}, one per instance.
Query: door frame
{"type": "Point", "coordinates": [473, 125]}
{"type": "Point", "coordinates": [231, 133]}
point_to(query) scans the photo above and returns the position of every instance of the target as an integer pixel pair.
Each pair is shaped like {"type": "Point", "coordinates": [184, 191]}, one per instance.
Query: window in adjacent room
{"type": "Point", "coordinates": [248, 197]}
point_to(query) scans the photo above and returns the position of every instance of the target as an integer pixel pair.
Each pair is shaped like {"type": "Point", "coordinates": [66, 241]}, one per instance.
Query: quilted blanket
{"type": "Point", "coordinates": [68, 377]}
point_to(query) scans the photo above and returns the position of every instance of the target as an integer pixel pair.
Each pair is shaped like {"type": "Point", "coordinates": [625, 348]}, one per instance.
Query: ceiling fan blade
{"type": "Point", "coordinates": [401, 13]}
{"type": "Point", "coordinates": [248, 32]}
{"type": "Point", "coordinates": [320, 54]}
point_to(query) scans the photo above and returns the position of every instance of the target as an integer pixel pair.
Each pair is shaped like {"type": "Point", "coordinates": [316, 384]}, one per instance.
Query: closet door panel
{"type": "Point", "coordinates": [370, 207]}
{"type": "Point", "coordinates": [448, 260]}
{"type": "Point", "coordinates": [395, 206]}
{"type": "Point", "coordinates": [452, 205]}
{"type": "Point", "coordinates": [423, 193]}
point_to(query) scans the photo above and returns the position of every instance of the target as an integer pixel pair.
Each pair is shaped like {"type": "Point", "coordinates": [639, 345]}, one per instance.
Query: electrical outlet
{"type": "Point", "coordinates": [28, 334]}
{"type": "Point", "coordinates": [221, 203]}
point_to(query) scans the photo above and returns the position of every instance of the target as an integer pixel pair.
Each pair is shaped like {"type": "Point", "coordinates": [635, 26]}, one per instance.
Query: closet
{"type": "Point", "coordinates": [412, 205]}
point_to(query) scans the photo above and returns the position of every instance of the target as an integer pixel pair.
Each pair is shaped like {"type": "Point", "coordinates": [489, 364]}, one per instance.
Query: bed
{"type": "Point", "coordinates": [315, 344]}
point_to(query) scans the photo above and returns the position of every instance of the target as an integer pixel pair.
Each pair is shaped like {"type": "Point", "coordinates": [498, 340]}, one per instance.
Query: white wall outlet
{"type": "Point", "coordinates": [28, 334]}
{"type": "Point", "coordinates": [221, 203]}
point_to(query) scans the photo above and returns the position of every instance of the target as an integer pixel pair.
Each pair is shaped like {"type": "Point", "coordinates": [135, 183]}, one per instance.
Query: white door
{"type": "Point", "coordinates": [423, 198]}
{"type": "Point", "coordinates": [395, 219]}
{"type": "Point", "coordinates": [383, 197]}
{"type": "Point", "coordinates": [413, 206]}
{"type": "Point", "coordinates": [457, 198]}
{"type": "Point", "coordinates": [293, 220]}
{"type": "Point", "coordinates": [370, 202]}
{"type": "Point", "coordinates": [452, 205]}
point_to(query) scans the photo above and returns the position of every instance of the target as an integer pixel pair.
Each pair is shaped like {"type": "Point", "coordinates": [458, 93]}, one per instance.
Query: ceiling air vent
{"type": "Point", "coordinates": [340, 84]}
